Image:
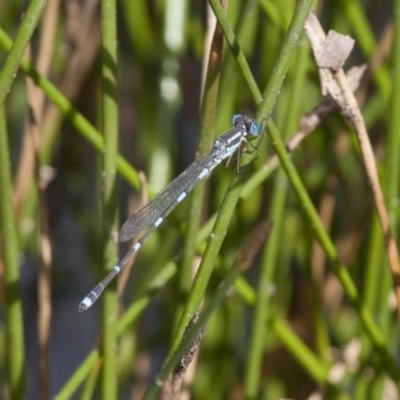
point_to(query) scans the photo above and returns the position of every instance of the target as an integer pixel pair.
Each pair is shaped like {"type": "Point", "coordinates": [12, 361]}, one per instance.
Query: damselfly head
{"type": "Point", "coordinates": [252, 126]}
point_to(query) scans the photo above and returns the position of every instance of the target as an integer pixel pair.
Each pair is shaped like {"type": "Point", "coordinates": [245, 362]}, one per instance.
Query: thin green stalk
{"type": "Point", "coordinates": [287, 49]}
{"type": "Point", "coordinates": [364, 35]}
{"type": "Point", "coordinates": [221, 225]}
{"type": "Point", "coordinates": [28, 25]}
{"type": "Point", "coordinates": [311, 363]}
{"type": "Point", "coordinates": [79, 376]}
{"type": "Point", "coordinates": [141, 32]}
{"type": "Point", "coordinates": [208, 117]}
{"type": "Point", "coordinates": [124, 323]}
{"type": "Point", "coordinates": [12, 297]}
{"type": "Point", "coordinates": [236, 51]}
{"type": "Point", "coordinates": [272, 248]}
{"type": "Point", "coordinates": [215, 302]}
{"type": "Point", "coordinates": [378, 285]}
{"type": "Point", "coordinates": [317, 370]}
{"type": "Point", "coordinates": [248, 187]}
{"type": "Point", "coordinates": [83, 126]}
{"type": "Point", "coordinates": [232, 86]}
{"type": "Point", "coordinates": [392, 161]}
{"type": "Point", "coordinates": [15, 342]}
{"type": "Point", "coordinates": [262, 309]}
{"type": "Point", "coordinates": [337, 268]}
{"type": "Point", "coordinates": [109, 112]}
{"type": "Point", "coordinates": [89, 388]}
{"type": "Point", "coordinates": [81, 373]}
{"type": "Point", "coordinates": [238, 179]}
{"type": "Point", "coordinates": [211, 254]}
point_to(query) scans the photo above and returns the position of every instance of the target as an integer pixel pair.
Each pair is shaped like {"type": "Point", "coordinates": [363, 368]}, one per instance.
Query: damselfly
{"type": "Point", "coordinates": [152, 214]}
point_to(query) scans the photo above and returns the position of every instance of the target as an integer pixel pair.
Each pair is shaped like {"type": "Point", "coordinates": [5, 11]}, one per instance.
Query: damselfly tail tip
{"type": "Point", "coordinates": [85, 304]}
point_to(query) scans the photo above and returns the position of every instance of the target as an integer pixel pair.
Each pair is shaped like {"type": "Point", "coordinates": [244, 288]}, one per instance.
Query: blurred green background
{"type": "Point", "coordinates": [304, 338]}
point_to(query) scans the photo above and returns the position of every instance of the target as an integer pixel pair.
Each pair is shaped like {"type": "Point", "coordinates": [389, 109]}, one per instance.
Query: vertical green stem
{"type": "Point", "coordinates": [273, 247]}
{"type": "Point", "coordinates": [263, 304]}
{"type": "Point", "coordinates": [237, 53]}
{"type": "Point", "coordinates": [292, 36]}
{"type": "Point", "coordinates": [208, 117]}
{"type": "Point", "coordinates": [377, 283]}
{"type": "Point", "coordinates": [13, 60]}
{"type": "Point", "coordinates": [208, 261]}
{"type": "Point", "coordinates": [8, 232]}
{"type": "Point", "coordinates": [392, 160]}
{"type": "Point", "coordinates": [232, 196]}
{"type": "Point", "coordinates": [109, 191]}
{"type": "Point", "coordinates": [9, 241]}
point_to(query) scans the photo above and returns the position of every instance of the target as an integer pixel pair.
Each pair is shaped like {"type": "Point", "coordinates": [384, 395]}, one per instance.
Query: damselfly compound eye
{"type": "Point", "coordinates": [254, 128]}
{"type": "Point", "coordinates": [235, 118]}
